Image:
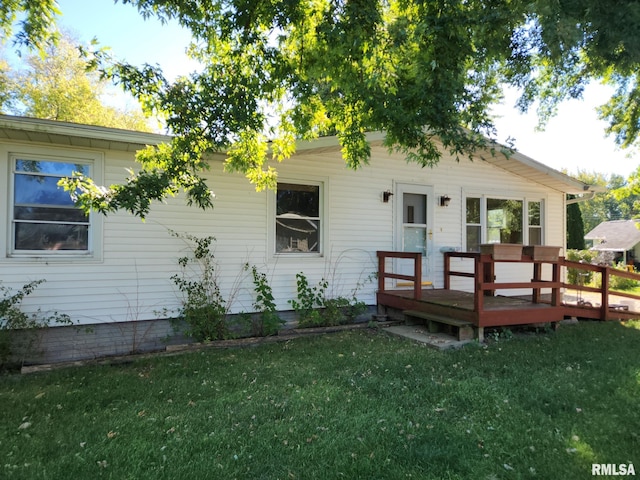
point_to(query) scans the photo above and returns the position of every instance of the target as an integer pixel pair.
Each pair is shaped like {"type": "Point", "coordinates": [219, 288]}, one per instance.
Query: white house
{"type": "Point", "coordinates": [113, 273]}
{"type": "Point", "coordinates": [621, 238]}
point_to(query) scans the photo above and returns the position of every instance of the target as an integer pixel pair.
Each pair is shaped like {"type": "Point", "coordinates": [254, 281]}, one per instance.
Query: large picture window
{"type": "Point", "coordinates": [298, 218]}
{"type": "Point", "coordinates": [44, 218]}
{"type": "Point", "coordinates": [499, 220]}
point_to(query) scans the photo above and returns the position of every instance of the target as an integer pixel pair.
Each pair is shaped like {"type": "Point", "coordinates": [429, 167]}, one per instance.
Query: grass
{"type": "Point", "coordinates": [352, 405]}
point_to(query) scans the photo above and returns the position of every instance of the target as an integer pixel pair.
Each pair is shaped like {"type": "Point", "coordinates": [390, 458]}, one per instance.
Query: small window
{"type": "Point", "coordinates": [474, 226]}
{"type": "Point", "coordinates": [298, 221]}
{"type": "Point", "coordinates": [535, 224]}
{"type": "Point", "coordinates": [44, 218]}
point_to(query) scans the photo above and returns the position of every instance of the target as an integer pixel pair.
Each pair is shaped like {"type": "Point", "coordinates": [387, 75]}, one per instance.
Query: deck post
{"type": "Point", "coordinates": [381, 272]}
{"type": "Point", "coordinates": [447, 269]}
{"type": "Point", "coordinates": [488, 276]}
{"type": "Point", "coordinates": [478, 293]}
{"type": "Point", "coordinates": [537, 276]}
{"type": "Point", "coordinates": [604, 309]}
{"type": "Point", "coordinates": [417, 280]}
{"type": "Point", "coordinates": [555, 291]}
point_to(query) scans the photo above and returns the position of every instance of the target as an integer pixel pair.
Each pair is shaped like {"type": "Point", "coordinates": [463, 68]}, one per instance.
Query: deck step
{"type": "Point", "coordinates": [424, 283]}
{"type": "Point", "coordinates": [462, 329]}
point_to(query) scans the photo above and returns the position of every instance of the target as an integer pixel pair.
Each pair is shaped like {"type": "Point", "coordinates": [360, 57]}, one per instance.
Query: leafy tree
{"type": "Point", "coordinates": [627, 195]}
{"type": "Point", "coordinates": [35, 27]}
{"type": "Point", "coordinates": [424, 71]}
{"type": "Point", "coordinates": [57, 86]}
{"type": "Point", "coordinates": [575, 227]}
{"type": "Point", "coordinates": [5, 96]}
{"type": "Point", "coordinates": [620, 201]}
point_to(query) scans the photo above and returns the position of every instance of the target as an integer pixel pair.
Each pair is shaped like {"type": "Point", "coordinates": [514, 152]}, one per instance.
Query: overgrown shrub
{"type": "Point", "coordinates": [576, 276]}
{"type": "Point", "coordinates": [308, 300]}
{"type": "Point", "coordinates": [204, 309]}
{"type": "Point", "coordinates": [268, 322]}
{"type": "Point", "coordinates": [620, 283]}
{"type": "Point", "coordinates": [314, 309]}
{"type": "Point", "coordinates": [18, 330]}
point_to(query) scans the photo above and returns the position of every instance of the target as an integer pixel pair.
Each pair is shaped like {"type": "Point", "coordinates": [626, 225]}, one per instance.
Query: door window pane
{"type": "Point", "coordinates": [415, 239]}
{"type": "Point", "coordinates": [414, 208]}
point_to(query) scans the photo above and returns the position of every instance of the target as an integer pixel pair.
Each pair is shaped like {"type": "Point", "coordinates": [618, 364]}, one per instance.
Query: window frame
{"type": "Point", "coordinates": [94, 161]}
{"type": "Point", "coordinates": [322, 184]}
{"type": "Point", "coordinates": [526, 226]}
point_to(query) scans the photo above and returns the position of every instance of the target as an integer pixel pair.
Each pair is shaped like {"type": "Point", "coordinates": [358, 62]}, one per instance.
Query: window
{"type": "Point", "coordinates": [535, 224]}
{"type": "Point", "coordinates": [44, 218]}
{"type": "Point", "coordinates": [504, 221]}
{"type": "Point", "coordinates": [298, 224]}
{"type": "Point", "coordinates": [498, 220]}
{"type": "Point", "coordinates": [474, 226]}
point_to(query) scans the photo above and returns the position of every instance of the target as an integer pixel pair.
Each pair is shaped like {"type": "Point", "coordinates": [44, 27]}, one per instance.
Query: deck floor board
{"type": "Point", "coordinates": [497, 310]}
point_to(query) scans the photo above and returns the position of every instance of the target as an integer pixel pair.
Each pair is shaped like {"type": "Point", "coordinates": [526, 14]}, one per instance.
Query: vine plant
{"type": "Point", "coordinates": [204, 309]}
{"type": "Point", "coordinates": [269, 322]}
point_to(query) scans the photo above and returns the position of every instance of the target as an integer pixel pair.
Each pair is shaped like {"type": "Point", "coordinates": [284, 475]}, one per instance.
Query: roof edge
{"type": "Point", "coordinates": [55, 127]}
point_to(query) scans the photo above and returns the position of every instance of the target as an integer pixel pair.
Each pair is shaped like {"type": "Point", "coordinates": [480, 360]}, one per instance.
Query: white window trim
{"type": "Point", "coordinates": [8, 154]}
{"type": "Point", "coordinates": [525, 199]}
{"type": "Point", "coordinates": [323, 183]}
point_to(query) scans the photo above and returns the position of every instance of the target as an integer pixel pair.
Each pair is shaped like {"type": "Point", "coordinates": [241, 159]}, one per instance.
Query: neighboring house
{"type": "Point", "coordinates": [621, 238]}
{"type": "Point", "coordinates": [112, 273]}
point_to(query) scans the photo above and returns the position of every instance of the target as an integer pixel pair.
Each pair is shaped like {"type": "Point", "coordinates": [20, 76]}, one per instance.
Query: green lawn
{"type": "Point", "coordinates": [352, 405]}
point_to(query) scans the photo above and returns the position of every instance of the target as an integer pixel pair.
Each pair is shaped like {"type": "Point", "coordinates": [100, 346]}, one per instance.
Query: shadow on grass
{"type": "Point", "coordinates": [350, 405]}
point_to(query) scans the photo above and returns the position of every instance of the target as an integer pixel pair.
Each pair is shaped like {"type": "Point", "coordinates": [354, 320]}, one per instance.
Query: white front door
{"type": "Point", "coordinates": [414, 228]}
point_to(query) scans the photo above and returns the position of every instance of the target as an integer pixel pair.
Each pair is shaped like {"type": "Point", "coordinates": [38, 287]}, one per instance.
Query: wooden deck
{"type": "Point", "coordinates": [497, 311]}
{"type": "Point", "coordinates": [482, 307]}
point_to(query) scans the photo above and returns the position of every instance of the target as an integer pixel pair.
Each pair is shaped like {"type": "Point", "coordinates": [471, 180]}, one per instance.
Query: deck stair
{"type": "Point", "coordinates": [461, 329]}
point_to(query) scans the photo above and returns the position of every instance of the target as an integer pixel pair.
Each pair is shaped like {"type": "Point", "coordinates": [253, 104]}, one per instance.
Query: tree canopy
{"type": "Point", "coordinates": [619, 201]}
{"type": "Point", "coordinates": [56, 85]}
{"type": "Point", "coordinates": [423, 71]}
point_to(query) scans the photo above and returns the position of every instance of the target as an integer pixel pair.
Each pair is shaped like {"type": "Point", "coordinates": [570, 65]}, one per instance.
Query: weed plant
{"type": "Point", "coordinates": [314, 309]}
{"type": "Point", "coordinates": [204, 309]}
{"type": "Point", "coordinates": [18, 329]}
{"type": "Point", "coordinates": [267, 322]}
{"type": "Point", "coordinates": [352, 405]}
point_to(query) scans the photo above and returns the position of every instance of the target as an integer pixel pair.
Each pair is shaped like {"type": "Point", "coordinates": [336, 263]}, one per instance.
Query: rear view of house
{"type": "Point", "coordinates": [113, 273]}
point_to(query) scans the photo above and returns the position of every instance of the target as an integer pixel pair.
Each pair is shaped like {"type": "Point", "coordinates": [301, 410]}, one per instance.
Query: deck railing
{"type": "Point", "coordinates": [416, 278]}
{"type": "Point", "coordinates": [606, 272]}
{"type": "Point", "coordinates": [485, 279]}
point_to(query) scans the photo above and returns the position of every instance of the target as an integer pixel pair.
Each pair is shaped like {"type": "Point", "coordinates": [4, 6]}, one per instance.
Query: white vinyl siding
{"type": "Point", "coordinates": [131, 280]}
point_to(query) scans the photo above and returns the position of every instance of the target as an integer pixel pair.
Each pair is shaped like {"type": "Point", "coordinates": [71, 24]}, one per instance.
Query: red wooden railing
{"type": "Point", "coordinates": [485, 280]}
{"type": "Point", "coordinates": [416, 278]}
{"type": "Point", "coordinates": [605, 292]}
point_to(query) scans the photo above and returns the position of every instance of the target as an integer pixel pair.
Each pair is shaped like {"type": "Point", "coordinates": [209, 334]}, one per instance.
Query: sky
{"type": "Point", "coordinates": [573, 140]}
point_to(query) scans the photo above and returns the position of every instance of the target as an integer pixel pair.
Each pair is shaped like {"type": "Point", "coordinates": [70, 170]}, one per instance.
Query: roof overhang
{"type": "Point", "coordinates": [513, 162]}
{"type": "Point", "coordinates": [90, 136]}
{"type": "Point", "coordinates": [532, 170]}
{"type": "Point", "coordinates": [76, 135]}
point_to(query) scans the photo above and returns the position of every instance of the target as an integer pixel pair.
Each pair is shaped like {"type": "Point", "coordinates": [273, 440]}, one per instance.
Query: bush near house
{"type": "Point", "coordinates": [19, 330]}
